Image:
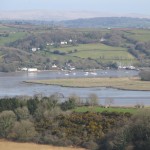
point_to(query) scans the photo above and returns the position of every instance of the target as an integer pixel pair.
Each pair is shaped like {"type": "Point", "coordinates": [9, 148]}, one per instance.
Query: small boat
{"type": "Point", "coordinates": [93, 73]}
{"type": "Point", "coordinates": [86, 73]}
{"type": "Point", "coordinates": [66, 74]}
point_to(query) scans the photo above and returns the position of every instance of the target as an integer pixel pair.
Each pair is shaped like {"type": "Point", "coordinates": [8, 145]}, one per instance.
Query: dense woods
{"type": "Point", "coordinates": [47, 120]}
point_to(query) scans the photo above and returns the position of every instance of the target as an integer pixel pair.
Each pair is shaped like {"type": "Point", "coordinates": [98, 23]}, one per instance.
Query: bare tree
{"type": "Point", "coordinates": [108, 102]}
{"type": "Point", "coordinates": [93, 99]}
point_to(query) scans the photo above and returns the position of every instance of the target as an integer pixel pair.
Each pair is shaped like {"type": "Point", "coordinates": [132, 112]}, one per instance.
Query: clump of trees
{"type": "Point", "coordinates": [47, 120]}
{"type": "Point", "coordinates": [134, 135]}
{"type": "Point", "coordinates": [145, 75]}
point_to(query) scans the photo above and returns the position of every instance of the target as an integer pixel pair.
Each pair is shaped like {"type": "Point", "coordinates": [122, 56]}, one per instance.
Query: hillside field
{"type": "Point", "coordinates": [97, 51]}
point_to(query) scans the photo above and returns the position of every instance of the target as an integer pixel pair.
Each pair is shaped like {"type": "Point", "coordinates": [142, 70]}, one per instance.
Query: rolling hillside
{"type": "Point", "coordinates": [108, 22]}
{"type": "Point", "coordinates": [89, 47]}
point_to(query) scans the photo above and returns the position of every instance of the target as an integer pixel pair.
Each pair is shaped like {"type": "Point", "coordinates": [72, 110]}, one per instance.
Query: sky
{"type": "Point", "coordinates": [111, 6]}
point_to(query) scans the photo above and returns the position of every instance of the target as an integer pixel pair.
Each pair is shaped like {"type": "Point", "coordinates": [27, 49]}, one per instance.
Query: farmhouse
{"type": "Point", "coordinates": [54, 66]}
{"type": "Point", "coordinates": [63, 43]}
{"type": "Point", "coordinates": [34, 49]}
{"type": "Point", "coordinates": [32, 69]}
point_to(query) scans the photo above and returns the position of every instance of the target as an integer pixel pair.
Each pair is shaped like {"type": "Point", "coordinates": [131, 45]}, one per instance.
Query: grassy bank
{"type": "Point", "coordinates": [118, 83]}
{"type": "Point", "coordinates": [101, 109]}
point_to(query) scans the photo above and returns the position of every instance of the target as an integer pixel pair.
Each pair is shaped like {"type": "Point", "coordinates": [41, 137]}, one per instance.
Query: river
{"type": "Point", "coordinates": [11, 84]}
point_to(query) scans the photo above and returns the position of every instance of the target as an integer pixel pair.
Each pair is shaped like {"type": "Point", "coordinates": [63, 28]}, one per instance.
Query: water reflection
{"type": "Point", "coordinates": [11, 84]}
{"type": "Point", "coordinates": [32, 74]}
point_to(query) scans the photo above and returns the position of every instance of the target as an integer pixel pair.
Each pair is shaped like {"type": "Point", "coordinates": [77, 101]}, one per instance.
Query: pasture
{"type": "Point", "coordinates": [11, 38]}
{"type": "Point", "coordinates": [140, 35]}
{"type": "Point", "coordinates": [101, 109]}
{"type": "Point", "coordinates": [96, 51]}
{"type": "Point", "coordinates": [86, 47]}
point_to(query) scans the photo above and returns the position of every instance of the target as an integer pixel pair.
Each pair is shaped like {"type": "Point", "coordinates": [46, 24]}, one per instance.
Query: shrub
{"type": "Point", "coordinates": [145, 75]}
{"type": "Point", "coordinates": [70, 104]}
{"type": "Point", "coordinates": [23, 131]}
{"type": "Point", "coordinates": [7, 120]}
{"type": "Point", "coordinates": [22, 113]}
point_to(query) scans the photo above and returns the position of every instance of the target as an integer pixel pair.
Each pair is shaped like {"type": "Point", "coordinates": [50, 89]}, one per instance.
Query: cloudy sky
{"type": "Point", "coordinates": [111, 6]}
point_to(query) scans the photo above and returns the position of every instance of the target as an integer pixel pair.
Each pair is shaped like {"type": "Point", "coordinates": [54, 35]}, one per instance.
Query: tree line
{"type": "Point", "coordinates": [47, 120]}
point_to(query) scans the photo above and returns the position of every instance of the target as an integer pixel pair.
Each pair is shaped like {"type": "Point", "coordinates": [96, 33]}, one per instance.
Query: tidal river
{"type": "Point", "coordinates": [11, 84]}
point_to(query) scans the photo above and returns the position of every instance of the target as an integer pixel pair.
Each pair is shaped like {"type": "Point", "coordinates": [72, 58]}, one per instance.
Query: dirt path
{"type": "Point", "coordinates": [5, 145]}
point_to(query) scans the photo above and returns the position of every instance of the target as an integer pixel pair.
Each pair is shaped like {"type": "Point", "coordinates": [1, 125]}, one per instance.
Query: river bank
{"type": "Point", "coordinates": [124, 83]}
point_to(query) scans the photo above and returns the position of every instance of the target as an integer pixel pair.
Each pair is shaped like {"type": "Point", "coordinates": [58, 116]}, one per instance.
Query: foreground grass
{"type": "Point", "coordinates": [5, 145]}
{"type": "Point", "coordinates": [118, 83]}
{"type": "Point", "coordinates": [101, 109]}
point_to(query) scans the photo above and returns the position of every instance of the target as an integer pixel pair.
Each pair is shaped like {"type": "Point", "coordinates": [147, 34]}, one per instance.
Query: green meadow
{"type": "Point", "coordinates": [96, 51]}
{"type": "Point", "coordinates": [14, 36]}
{"type": "Point", "coordinates": [102, 109]}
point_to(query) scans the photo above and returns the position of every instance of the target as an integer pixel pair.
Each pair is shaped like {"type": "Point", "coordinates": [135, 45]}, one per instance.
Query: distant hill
{"type": "Point", "coordinates": [108, 22]}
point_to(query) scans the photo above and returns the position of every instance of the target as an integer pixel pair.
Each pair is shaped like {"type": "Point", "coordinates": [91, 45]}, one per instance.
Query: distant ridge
{"type": "Point", "coordinates": [108, 22]}
{"type": "Point", "coordinates": [79, 19]}
{"type": "Point", "coordinates": [46, 15]}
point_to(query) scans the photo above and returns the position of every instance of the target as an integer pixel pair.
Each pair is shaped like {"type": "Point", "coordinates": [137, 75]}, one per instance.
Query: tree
{"type": "Point", "coordinates": [70, 104]}
{"type": "Point", "coordinates": [22, 113]}
{"type": "Point", "coordinates": [32, 105]}
{"type": "Point", "coordinates": [23, 131]}
{"type": "Point", "coordinates": [7, 120]}
{"type": "Point", "coordinates": [108, 102]}
{"type": "Point", "coordinates": [145, 75]}
{"type": "Point", "coordinates": [93, 99]}
{"type": "Point", "coordinates": [76, 98]}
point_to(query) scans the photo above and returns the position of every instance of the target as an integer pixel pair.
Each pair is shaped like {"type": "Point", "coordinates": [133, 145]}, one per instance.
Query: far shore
{"type": "Point", "coordinates": [123, 83]}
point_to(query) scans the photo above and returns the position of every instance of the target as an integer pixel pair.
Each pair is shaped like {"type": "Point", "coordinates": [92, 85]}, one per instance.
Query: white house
{"type": "Point", "coordinates": [24, 69]}
{"type": "Point", "coordinates": [54, 66]}
{"type": "Point", "coordinates": [102, 39]}
{"type": "Point", "coordinates": [34, 49]}
{"type": "Point", "coordinates": [63, 43]}
{"type": "Point", "coordinates": [32, 69]}
{"type": "Point", "coordinates": [70, 40]}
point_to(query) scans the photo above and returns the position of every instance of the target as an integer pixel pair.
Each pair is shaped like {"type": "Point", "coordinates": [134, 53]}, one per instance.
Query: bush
{"type": "Point", "coordinates": [70, 104]}
{"type": "Point", "coordinates": [145, 75]}
{"type": "Point", "coordinates": [7, 120]}
{"type": "Point", "coordinates": [22, 113]}
{"type": "Point", "coordinates": [91, 145]}
{"type": "Point", "coordinates": [23, 131]}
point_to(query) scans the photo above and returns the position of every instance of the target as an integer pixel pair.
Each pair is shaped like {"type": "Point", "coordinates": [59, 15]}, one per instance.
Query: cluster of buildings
{"type": "Point", "coordinates": [64, 42]}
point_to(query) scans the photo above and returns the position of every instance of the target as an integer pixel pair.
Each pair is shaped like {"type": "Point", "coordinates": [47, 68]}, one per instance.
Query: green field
{"type": "Point", "coordinates": [140, 35]}
{"type": "Point", "coordinates": [97, 51]}
{"type": "Point", "coordinates": [86, 47]}
{"type": "Point", "coordinates": [4, 28]}
{"type": "Point", "coordinates": [58, 57]}
{"type": "Point", "coordinates": [11, 38]}
{"type": "Point", "coordinates": [101, 109]}
{"type": "Point", "coordinates": [104, 54]}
